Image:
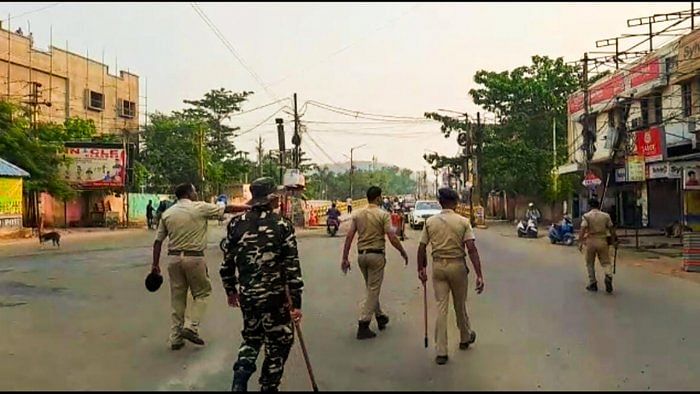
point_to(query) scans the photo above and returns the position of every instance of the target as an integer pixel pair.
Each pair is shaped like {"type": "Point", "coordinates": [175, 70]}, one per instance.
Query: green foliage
{"type": "Point", "coordinates": [326, 185]}
{"type": "Point", "coordinates": [37, 151]}
{"type": "Point", "coordinates": [517, 152]}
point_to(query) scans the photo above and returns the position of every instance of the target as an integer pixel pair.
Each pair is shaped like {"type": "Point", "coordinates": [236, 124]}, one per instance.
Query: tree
{"type": "Point", "coordinates": [172, 151]}
{"type": "Point", "coordinates": [517, 153]}
{"type": "Point", "coordinates": [214, 109]}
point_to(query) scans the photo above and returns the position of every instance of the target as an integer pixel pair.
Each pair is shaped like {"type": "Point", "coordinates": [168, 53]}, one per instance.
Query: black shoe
{"type": "Point", "coordinates": [472, 339]}
{"type": "Point", "coordinates": [592, 287]}
{"type": "Point", "coordinates": [192, 337]}
{"type": "Point", "coordinates": [363, 331]}
{"type": "Point", "coordinates": [441, 360]}
{"type": "Point", "coordinates": [272, 389]}
{"type": "Point", "coordinates": [608, 284]}
{"type": "Point", "coordinates": [177, 346]}
{"type": "Point", "coordinates": [240, 382]}
{"type": "Point", "coordinates": [382, 321]}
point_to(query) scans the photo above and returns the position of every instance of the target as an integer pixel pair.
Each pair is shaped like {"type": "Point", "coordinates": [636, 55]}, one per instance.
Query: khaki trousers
{"type": "Point", "coordinates": [450, 275]}
{"type": "Point", "coordinates": [187, 273]}
{"type": "Point", "coordinates": [372, 268]}
{"type": "Point", "coordinates": [597, 247]}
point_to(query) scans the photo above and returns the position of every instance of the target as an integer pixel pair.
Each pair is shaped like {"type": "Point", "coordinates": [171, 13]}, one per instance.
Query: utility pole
{"type": "Point", "coordinates": [261, 153]}
{"type": "Point", "coordinates": [352, 166]}
{"type": "Point", "coordinates": [477, 165]}
{"type": "Point", "coordinates": [33, 102]}
{"type": "Point", "coordinates": [586, 121]}
{"type": "Point", "coordinates": [280, 138]}
{"type": "Point", "coordinates": [296, 139]}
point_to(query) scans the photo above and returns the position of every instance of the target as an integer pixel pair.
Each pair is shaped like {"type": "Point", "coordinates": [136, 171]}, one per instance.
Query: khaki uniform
{"type": "Point", "coordinates": [185, 224]}
{"type": "Point", "coordinates": [599, 224]}
{"type": "Point", "coordinates": [372, 225]}
{"type": "Point", "coordinates": [446, 234]}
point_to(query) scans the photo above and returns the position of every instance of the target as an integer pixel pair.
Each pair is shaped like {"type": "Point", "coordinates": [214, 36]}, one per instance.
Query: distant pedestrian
{"type": "Point", "coordinates": [371, 225]}
{"type": "Point", "coordinates": [260, 266]}
{"type": "Point", "coordinates": [448, 233]}
{"type": "Point", "coordinates": [149, 214]}
{"type": "Point", "coordinates": [596, 227]}
{"type": "Point", "coordinates": [348, 202]}
{"type": "Point", "coordinates": [185, 224]}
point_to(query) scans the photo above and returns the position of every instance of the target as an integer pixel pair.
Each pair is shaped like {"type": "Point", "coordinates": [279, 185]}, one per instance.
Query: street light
{"type": "Point", "coordinates": [352, 170]}
{"type": "Point", "coordinates": [436, 171]}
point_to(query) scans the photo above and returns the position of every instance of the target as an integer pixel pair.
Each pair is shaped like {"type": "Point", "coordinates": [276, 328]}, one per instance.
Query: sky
{"type": "Point", "coordinates": [397, 59]}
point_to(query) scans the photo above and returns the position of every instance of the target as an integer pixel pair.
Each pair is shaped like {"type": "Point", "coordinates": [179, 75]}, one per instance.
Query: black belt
{"type": "Point", "coordinates": [186, 252]}
{"type": "Point", "coordinates": [372, 251]}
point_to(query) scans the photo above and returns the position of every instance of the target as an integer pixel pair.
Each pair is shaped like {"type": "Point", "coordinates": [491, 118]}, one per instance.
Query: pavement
{"type": "Point", "coordinates": [79, 318]}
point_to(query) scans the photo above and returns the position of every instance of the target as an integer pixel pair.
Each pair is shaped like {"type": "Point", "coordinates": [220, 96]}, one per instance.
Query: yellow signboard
{"type": "Point", "coordinates": [635, 169]}
{"type": "Point", "coordinates": [10, 196]}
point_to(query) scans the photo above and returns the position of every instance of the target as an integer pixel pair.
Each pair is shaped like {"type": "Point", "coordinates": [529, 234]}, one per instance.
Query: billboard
{"type": "Point", "coordinates": [10, 196]}
{"type": "Point", "coordinates": [95, 165]}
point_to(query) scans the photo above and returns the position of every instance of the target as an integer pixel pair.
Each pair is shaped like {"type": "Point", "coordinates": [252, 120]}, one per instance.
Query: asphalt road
{"type": "Point", "coordinates": [79, 318]}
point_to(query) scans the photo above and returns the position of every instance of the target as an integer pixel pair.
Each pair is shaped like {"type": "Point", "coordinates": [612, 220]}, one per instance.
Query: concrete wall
{"type": "Point", "coordinates": [64, 77]}
{"type": "Point", "coordinates": [138, 203]}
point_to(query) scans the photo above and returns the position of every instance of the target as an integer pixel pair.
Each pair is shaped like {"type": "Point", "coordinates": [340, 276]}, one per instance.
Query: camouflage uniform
{"type": "Point", "coordinates": [263, 249]}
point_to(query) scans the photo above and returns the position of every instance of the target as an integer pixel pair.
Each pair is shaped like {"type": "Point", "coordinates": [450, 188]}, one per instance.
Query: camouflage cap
{"type": "Point", "coordinates": [263, 189]}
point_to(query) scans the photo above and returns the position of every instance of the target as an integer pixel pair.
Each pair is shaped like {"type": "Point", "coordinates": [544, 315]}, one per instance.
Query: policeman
{"type": "Point", "coordinates": [262, 260]}
{"type": "Point", "coordinates": [185, 224]}
{"type": "Point", "coordinates": [448, 233]}
{"type": "Point", "coordinates": [371, 225]}
{"type": "Point", "coordinates": [595, 226]}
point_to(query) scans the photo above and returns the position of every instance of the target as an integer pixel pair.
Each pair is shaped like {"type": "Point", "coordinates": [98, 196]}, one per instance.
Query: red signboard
{"type": "Point", "coordinates": [575, 103]}
{"type": "Point", "coordinates": [607, 90]}
{"type": "Point", "coordinates": [645, 72]}
{"type": "Point", "coordinates": [650, 144]}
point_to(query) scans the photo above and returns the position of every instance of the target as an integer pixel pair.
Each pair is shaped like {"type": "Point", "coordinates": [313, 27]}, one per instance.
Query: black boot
{"type": "Point", "coordinates": [592, 287]}
{"type": "Point", "coordinates": [240, 381]}
{"type": "Point", "coordinates": [608, 284]}
{"type": "Point", "coordinates": [382, 321]}
{"type": "Point", "coordinates": [363, 331]}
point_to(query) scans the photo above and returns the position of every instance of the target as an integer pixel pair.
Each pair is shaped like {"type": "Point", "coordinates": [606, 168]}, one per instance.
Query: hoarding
{"type": "Point", "coordinates": [650, 144]}
{"type": "Point", "coordinates": [10, 196]}
{"type": "Point", "coordinates": [95, 166]}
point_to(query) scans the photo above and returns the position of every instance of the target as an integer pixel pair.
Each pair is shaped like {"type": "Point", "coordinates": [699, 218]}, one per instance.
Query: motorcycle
{"type": "Point", "coordinates": [397, 222]}
{"type": "Point", "coordinates": [332, 226]}
{"type": "Point", "coordinates": [563, 232]}
{"type": "Point", "coordinates": [528, 230]}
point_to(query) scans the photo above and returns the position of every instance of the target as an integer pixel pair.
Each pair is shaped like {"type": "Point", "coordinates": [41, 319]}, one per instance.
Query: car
{"type": "Point", "coordinates": [422, 211]}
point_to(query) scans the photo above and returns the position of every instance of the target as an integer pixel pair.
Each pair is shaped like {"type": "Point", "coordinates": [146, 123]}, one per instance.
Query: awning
{"type": "Point", "coordinates": [9, 169]}
{"type": "Point", "coordinates": [692, 156]}
{"type": "Point", "coordinates": [569, 169]}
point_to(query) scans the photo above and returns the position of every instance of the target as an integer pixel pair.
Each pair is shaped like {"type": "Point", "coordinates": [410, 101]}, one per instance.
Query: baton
{"type": "Point", "coordinates": [425, 313]}
{"type": "Point", "coordinates": [615, 259]}
{"type": "Point", "coordinates": [301, 342]}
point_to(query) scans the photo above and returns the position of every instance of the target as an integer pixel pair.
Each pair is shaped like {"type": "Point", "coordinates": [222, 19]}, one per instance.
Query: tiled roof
{"type": "Point", "coordinates": [9, 169]}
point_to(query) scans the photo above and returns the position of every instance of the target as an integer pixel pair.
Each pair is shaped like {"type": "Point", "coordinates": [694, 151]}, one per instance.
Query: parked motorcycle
{"type": "Point", "coordinates": [562, 233]}
{"type": "Point", "coordinates": [527, 230]}
{"type": "Point", "coordinates": [332, 226]}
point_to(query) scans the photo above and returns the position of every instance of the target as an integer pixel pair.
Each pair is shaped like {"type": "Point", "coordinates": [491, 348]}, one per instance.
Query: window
{"type": "Point", "coordinates": [611, 119]}
{"type": "Point", "coordinates": [671, 64]}
{"type": "Point", "coordinates": [94, 100]}
{"type": "Point", "coordinates": [127, 109]}
{"type": "Point", "coordinates": [687, 99]}
{"type": "Point", "coordinates": [644, 103]}
{"type": "Point", "coordinates": [658, 109]}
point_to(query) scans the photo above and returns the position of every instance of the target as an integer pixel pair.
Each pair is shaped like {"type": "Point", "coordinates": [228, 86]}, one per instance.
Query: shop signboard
{"type": "Point", "coordinates": [591, 180]}
{"type": "Point", "coordinates": [95, 165]}
{"type": "Point", "coordinates": [650, 144]}
{"type": "Point", "coordinates": [620, 175]}
{"type": "Point", "coordinates": [635, 169]}
{"type": "Point", "coordinates": [689, 53]}
{"type": "Point", "coordinates": [646, 72]}
{"type": "Point", "coordinates": [657, 170]}
{"type": "Point", "coordinates": [10, 196]}
{"type": "Point", "coordinates": [691, 176]}
{"type": "Point", "coordinates": [675, 170]}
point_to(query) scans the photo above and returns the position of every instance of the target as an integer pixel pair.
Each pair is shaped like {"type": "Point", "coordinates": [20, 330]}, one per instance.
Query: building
{"type": "Point", "coordinates": [641, 142]}
{"type": "Point", "coordinates": [10, 197]}
{"type": "Point", "coordinates": [73, 85]}
{"type": "Point", "coordinates": [59, 84]}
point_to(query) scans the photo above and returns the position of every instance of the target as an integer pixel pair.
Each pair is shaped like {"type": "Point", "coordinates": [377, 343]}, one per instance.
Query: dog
{"type": "Point", "coordinates": [675, 229]}
{"type": "Point", "coordinates": [52, 236]}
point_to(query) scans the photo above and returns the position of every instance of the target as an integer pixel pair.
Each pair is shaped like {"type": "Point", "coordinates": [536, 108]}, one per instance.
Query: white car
{"type": "Point", "coordinates": [422, 211]}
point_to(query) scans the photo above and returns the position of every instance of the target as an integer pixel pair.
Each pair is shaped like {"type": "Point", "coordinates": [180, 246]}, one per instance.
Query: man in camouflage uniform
{"type": "Point", "coordinates": [262, 260]}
